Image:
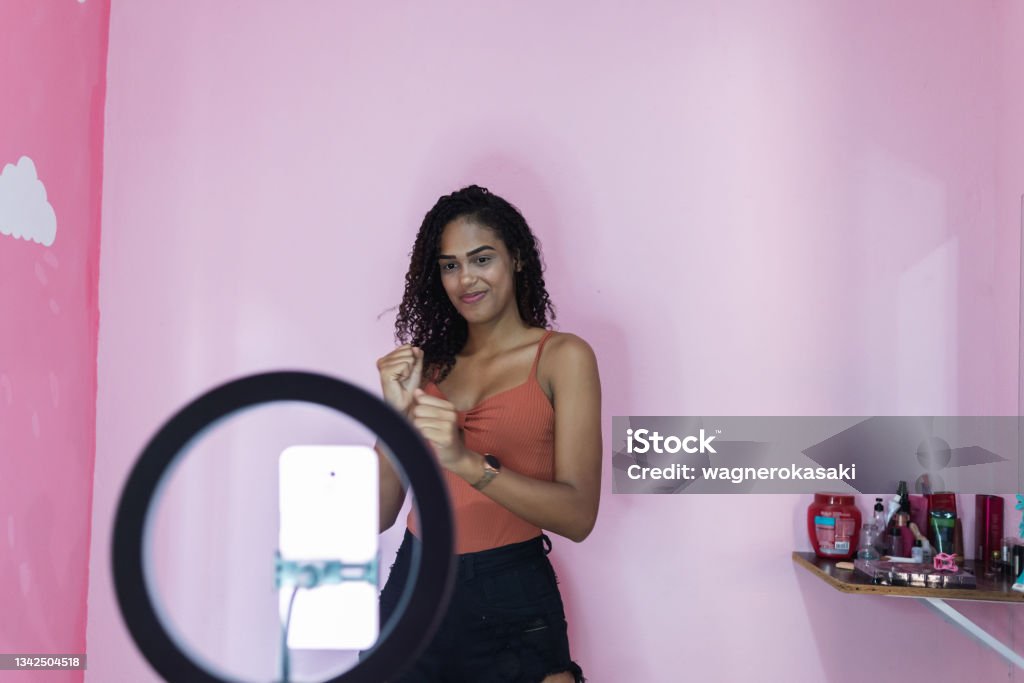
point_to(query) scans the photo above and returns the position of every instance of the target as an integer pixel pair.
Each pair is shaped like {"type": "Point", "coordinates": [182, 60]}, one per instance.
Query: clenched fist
{"type": "Point", "coordinates": [436, 419]}
{"type": "Point", "coordinates": [400, 374]}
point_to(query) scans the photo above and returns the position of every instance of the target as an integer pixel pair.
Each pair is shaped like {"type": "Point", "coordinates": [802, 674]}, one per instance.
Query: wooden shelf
{"type": "Point", "coordinates": [989, 589]}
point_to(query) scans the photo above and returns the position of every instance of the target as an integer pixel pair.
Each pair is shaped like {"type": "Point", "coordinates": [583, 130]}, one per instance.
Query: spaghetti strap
{"type": "Point", "coordinates": [540, 347]}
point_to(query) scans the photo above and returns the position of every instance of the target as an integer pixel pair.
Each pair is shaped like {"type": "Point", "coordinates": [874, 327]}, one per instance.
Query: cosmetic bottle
{"type": "Point", "coordinates": [904, 516]}
{"type": "Point", "coordinates": [904, 497]}
{"type": "Point", "coordinates": [900, 538]}
{"type": "Point", "coordinates": [917, 552]}
{"type": "Point", "coordinates": [993, 566]}
{"type": "Point", "coordinates": [866, 549]}
{"type": "Point", "coordinates": [868, 546]}
{"type": "Point", "coordinates": [833, 525]}
{"type": "Point", "coordinates": [942, 516]}
{"type": "Point", "coordinates": [894, 507]}
{"type": "Point", "coordinates": [878, 518]}
{"type": "Point", "coordinates": [893, 541]}
{"type": "Point", "coordinates": [988, 529]}
{"type": "Point", "coordinates": [942, 532]}
{"type": "Point", "coordinates": [921, 540]}
{"type": "Point", "coordinates": [926, 550]}
{"type": "Point", "coordinates": [903, 540]}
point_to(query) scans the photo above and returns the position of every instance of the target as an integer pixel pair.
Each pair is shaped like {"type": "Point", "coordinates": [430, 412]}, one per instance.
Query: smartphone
{"type": "Point", "coordinates": [329, 511]}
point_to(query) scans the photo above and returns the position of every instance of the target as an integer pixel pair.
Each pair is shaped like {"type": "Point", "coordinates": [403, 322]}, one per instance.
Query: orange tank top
{"type": "Point", "coordinates": [518, 427]}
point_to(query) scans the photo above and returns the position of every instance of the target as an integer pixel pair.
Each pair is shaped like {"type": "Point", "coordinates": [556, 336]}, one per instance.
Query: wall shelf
{"type": "Point", "coordinates": [989, 589]}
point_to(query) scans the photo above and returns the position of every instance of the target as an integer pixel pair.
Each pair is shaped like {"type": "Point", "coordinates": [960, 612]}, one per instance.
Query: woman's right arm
{"type": "Point", "coordinates": [401, 372]}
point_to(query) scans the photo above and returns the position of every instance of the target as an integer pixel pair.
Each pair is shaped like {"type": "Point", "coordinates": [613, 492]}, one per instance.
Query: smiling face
{"type": "Point", "coordinates": [477, 271]}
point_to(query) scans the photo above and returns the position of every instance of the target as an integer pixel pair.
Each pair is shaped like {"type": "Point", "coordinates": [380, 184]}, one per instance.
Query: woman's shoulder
{"type": "Point", "coordinates": [569, 353]}
{"type": "Point", "coordinates": [567, 344]}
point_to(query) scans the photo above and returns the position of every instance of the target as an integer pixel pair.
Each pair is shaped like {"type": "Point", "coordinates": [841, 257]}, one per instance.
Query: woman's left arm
{"type": "Point", "coordinates": [568, 505]}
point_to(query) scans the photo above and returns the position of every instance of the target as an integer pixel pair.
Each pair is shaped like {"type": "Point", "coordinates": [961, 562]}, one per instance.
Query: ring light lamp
{"type": "Point", "coordinates": [423, 602]}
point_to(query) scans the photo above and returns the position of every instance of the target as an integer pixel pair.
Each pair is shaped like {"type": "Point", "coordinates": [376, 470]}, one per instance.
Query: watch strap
{"type": "Point", "coordinates": [492, 468]}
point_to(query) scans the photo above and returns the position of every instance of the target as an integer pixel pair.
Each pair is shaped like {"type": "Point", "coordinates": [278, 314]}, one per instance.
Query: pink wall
{"type": "Point", "coordinates": [51, 137]}
{"type": "Point", "coordinates": [747, 208]}
{"type": "Point", "coordinates": [1010, 135]}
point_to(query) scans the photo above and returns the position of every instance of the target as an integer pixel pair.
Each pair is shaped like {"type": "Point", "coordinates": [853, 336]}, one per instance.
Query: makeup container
{"type": "Point", "coordinates": [941, 529]}
{"type": "Point", "coordinates": [900, 538]}
{"type": "Point", "coordinates": [942, 522]}
{"type": "Point", "coordinates": [917, 552]}
{"type": "Point", "coordinates": [988, 529]}
{"type": "Point", "coordinates": [922, 542]}
{"type": "Point", "coordinates": [878, 521]}
{"type": "Point", "coordinates": [919, 511]}
{"type": "Point", "coordinates": [878, 515]}
{"type": "Point", "coordinates": [833, 525]}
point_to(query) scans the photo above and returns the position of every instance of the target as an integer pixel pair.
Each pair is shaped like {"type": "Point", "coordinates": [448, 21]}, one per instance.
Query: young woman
{"type": "Point", "coordinates": [512, 411]}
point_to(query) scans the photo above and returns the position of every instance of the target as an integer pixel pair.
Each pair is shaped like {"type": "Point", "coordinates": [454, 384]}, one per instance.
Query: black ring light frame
{"type": "Point", "coordinates": [423, 602]}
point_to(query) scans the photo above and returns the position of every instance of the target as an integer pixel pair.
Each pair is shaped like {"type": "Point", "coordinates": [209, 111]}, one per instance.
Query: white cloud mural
{"type": "Point", "coordinates": [24, 211]}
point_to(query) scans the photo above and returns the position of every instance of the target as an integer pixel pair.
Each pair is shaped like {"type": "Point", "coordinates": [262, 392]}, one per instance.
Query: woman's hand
{"type": "Point", "coordinates": [400, 374]}
{"type": "Point", "coordinates": [437, 421]}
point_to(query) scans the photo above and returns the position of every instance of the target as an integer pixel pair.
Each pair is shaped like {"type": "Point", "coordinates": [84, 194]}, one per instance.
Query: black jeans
{"type": "Point", "coordinates": [505, 622]}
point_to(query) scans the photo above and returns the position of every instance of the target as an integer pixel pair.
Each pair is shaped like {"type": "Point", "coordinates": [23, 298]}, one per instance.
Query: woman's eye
{"type": "Point", "coordinates": [452, 265]}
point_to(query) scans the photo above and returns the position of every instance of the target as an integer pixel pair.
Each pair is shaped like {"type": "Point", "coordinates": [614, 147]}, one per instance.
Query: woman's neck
{"type": "Point", "coordinates": [494, 337]}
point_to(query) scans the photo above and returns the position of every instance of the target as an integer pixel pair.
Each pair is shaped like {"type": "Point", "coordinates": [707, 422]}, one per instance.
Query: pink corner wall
{"type": "Point", "coordinates": [53, 71]}
{"type": "Point", "coordinates": [1010, 136]}
{"type": "Point", "coordinates": [747, 208]}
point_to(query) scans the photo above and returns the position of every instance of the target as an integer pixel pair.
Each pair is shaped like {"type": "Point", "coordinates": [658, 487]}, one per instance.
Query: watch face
{"type": "Point", "coordinates": [492, 461]}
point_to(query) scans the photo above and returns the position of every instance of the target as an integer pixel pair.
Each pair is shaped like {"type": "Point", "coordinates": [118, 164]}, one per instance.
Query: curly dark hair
{"type": "Point", "coordinates": [426, 317]}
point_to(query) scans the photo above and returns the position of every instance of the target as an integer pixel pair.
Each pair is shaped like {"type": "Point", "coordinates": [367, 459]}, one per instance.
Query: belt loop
{"type": "Point", "coordinates": [467, 565]}
{"type": "Point", "coordinates": [547, 543]}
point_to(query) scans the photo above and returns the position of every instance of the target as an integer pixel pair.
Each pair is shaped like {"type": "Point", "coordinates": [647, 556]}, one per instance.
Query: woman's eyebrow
{"type": "Point", "coordinates": [468, 253]}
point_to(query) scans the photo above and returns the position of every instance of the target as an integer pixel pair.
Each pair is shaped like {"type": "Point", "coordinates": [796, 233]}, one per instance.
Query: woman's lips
{"type": "Point", "coordinates": [472, 298]}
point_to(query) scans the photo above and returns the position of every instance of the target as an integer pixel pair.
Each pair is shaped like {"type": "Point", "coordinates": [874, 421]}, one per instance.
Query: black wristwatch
{"type": "Point", "coordinates": [492, 468]}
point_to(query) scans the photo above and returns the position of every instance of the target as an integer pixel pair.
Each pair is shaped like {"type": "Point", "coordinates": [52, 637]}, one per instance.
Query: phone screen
{"type": "Point", "coordinates": [329, 511]}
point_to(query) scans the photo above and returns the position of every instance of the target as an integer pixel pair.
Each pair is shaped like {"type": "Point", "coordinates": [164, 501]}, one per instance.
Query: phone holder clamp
{"type": "Point", "coordinates": [310, 574]}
